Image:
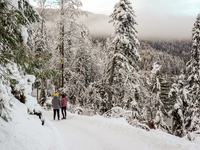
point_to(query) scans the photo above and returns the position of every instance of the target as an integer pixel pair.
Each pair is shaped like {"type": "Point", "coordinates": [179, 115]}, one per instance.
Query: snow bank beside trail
{"type": "Point", "coordinates": [24, 86]}
{"type": "Point", "coordinates": [25, 132]}
{"type": "Point", "coordinates": [18, 129]}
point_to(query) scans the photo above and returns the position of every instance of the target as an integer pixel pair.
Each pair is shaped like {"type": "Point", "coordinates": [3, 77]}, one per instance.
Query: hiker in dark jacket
{"type": "Point", "coordinates": [56, 106]}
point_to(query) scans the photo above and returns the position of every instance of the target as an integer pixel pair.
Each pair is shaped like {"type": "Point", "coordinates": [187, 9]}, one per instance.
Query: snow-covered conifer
{"type": "Point", "coordinates": [68, 29]}
{"type": "Point", "coordinates": [179, 95]}
{"type": "Point", "coordinates": [156, 102]}
{"type": "Point", "coordinates": [159, 118]}
{"type": "Point", "coordinates": [15, 18]}
{"type": "Point", "coordinates": [16, 56]}
{"type": "Point", "coordinates": [43, 48]}
{"type": "Point", "coordinates": [123, 66]}
{"type": "Point", "coordinates": [193, 68]}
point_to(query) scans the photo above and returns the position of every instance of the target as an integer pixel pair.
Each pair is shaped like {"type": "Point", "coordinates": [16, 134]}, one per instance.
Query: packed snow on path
{"type": "Point", "coordinates": [98, 133]}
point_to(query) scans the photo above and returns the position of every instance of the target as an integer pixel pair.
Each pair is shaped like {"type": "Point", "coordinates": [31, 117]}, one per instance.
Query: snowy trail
{"type": "Point", "coordinates": [98, 133]}
{"type": "Point", "coordinates": [80, 134]}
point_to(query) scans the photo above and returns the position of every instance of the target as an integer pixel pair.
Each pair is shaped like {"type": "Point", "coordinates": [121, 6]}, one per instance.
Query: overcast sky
{"type": "Point", "coordinates": [156, 18]}
{"type": "Point", "coordinates": [164, 7]}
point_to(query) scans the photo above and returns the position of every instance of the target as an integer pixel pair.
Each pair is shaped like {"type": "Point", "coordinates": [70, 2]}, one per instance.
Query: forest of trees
{"type": "Point", "coordinates": [153, 80]}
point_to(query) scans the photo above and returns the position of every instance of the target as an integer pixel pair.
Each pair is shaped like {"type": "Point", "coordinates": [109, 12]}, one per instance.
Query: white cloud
{"type": "Point", "coordinates": [164, 7]}
{"type": "Point", "coordinates": [99, 6]}
{"type": "Point", "coordinates": [33, 3]}
{"type": "Point", "coordinates": [190, 10]}
{"type": "Point", "coordinates": [193, 1]}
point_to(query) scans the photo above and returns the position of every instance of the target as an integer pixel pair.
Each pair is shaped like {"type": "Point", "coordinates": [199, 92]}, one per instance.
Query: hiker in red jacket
{"type": "Point", "coordinates": [64, 106]}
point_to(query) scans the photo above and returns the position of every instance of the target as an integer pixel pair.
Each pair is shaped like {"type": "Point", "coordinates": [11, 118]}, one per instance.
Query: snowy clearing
{"type": "Point", "coordinates": [89, 133]}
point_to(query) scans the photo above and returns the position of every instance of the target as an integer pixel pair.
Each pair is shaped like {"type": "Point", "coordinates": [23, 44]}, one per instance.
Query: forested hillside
{"type": "Point", "coordinates": [179, 48]}
{"type": "Point", "coordinates": [172, 57]}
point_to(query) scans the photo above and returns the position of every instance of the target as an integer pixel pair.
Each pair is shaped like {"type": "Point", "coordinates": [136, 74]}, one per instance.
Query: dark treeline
{"type": "Point", "coordinates": [176, 47]}
{"type": "Point", "coordinates": [172, 55]}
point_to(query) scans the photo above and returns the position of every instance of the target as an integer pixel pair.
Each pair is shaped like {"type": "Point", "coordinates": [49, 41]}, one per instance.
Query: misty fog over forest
{"type": "Point", "coordinates": [150, 26]}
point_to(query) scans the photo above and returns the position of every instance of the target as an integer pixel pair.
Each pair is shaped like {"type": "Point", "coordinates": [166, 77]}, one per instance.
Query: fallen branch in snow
{"type": "Point", "coordinates": [39, 114]}
{"type": "Point", "coordinates": [137, 124]}
{"type": "Point", "coordinates": [192, 135]}
{"type": "Point", "coordinates": [78, 110]}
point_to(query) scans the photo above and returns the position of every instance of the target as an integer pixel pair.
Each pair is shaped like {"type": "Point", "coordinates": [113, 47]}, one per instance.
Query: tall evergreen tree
{"type": "Point", "coordinates": [77, 65]}
{"type": "Point", "coordinates": [69, 11]}
{"type": "Point", "coordinates": [14, 21]}
{"type": "Point", "coordinates": [193, 68]}
{"type": "Point", "coordinates": [42, 47]}
{"type": "Point", "coordinates": [125, 55]}
{"type": "Point", "coordinates": [178, 94]}
{"type": "Point", "coordinates": [157, 101]}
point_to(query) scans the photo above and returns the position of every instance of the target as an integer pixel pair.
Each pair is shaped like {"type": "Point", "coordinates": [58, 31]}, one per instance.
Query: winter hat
{"type": "Point", "coordinates": [56, 94]}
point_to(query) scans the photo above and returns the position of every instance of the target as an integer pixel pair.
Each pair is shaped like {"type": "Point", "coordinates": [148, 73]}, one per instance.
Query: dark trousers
{"type": "Point", "coordinates": [54, 114]}
{"type": "Point", "coordinates": [64, 113]}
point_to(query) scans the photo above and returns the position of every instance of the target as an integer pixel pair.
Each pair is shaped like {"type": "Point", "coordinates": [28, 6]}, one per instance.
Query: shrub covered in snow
{"type": "Point", "coordinates": [114, 112]}
{"type": "Point", "coordinates": [22, 88]}
{"type": "Point", "coordinates": [48, 105]}
{"type": "Point", "coordinates": [117, 112]}
{"type": "Point", "coordinates": [78, 110]}
{"type": "Point", "coordinates": [136, 123]}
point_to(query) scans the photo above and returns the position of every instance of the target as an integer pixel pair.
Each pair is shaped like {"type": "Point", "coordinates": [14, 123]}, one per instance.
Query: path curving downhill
{"type": "Point", "coordinates": [98, 133]}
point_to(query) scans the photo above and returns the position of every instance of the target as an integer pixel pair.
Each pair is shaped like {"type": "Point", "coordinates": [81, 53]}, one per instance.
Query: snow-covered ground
{"type": "Point", "coordinates": [25, 132]}
{"type": "Point", "coordinates": [19, 130]}
{"type": "Point", "coordinates": [98, 133]}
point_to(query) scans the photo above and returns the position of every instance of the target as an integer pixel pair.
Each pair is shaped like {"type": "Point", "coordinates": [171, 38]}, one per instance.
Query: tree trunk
{"type": "Point", "coordinates": [110, 94]}
{"type": "Point", "coordinates": [173, 124]}
{"type": "Point", "coordinates": [109, 99]}
{"type": "Point", "coordinates": [37, 91]}
{"type": "Point", "coordinates": [95, 107]}
{"type": "Point", "coordinates": [61, 79]}
{"type": "Point", "coordinates": [41, 92]}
